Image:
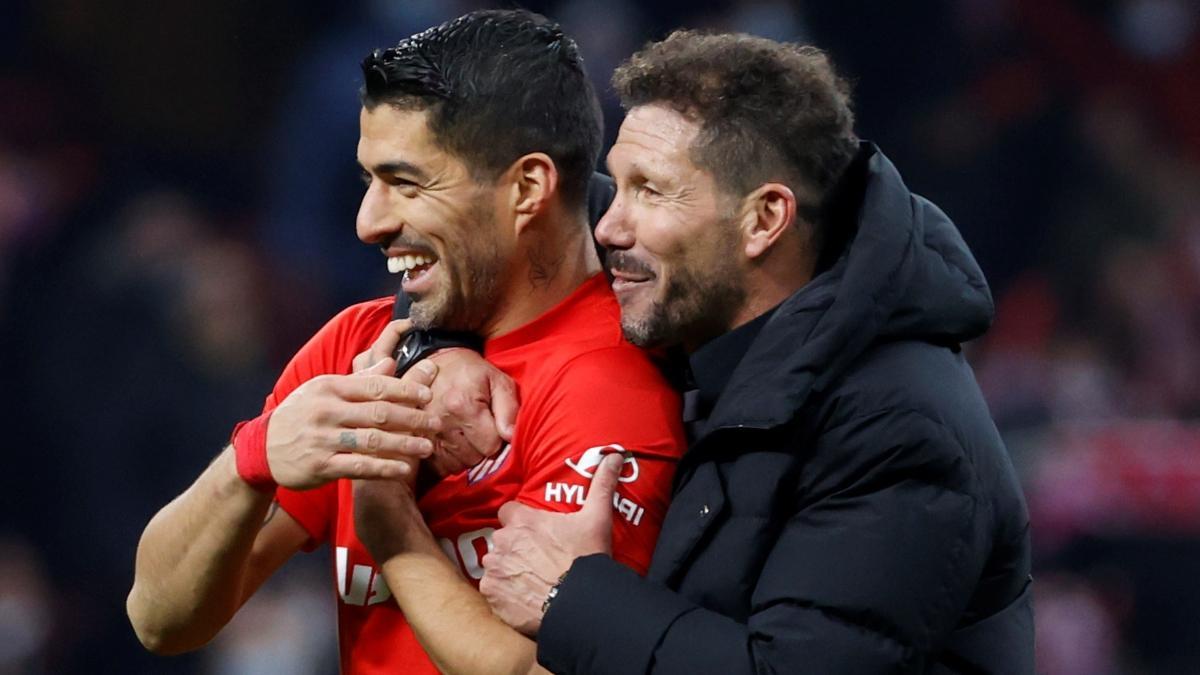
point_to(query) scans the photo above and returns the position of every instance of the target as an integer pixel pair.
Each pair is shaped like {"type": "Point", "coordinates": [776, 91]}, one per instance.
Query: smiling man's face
{"type": "Point", "coordinates": [435, 223]}
{"type": "Point", "coordinates": [673, 241]}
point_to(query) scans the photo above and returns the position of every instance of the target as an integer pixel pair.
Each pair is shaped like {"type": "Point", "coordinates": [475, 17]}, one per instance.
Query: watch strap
{"type": "Point", "coordinates": [420, 344]}
{"type": "Point", "coordinates": [553, 592]}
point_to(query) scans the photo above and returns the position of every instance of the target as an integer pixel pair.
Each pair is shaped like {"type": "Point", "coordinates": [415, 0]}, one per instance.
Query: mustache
{"type": "Point", "coordinates": [401, 241]}
{"type": "Point", "coordinates": [624, 261]}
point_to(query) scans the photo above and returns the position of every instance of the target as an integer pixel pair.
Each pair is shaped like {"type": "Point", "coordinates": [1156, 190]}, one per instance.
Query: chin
{"type": "Point", "coordinates": [426, 314]}
{"type": "Point", "coordinates": [637, 328]}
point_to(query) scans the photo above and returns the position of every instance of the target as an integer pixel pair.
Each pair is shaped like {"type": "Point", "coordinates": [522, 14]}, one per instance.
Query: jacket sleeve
{"type": "Point", "coordinates": [868, 574]}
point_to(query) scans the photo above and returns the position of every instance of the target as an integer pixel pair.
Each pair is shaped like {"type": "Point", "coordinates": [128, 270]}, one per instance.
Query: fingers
{"type": "Point", "coordinates": [421, 374]}
{"type": "Point", "coordinates": [504, 404]}
{"type": "Point", "coordinates": [475, 442]}
{"type": "Point", "coordinates": [382, 443]}
{"type": "Point", "coordinates": [455, 453]}
{"type": "Point", "coordinates": [378, 367]}
{"type": "Point", "coordinates": [510, 513]}
{"type": "Point", "coordinates": [374, 386]}
{"type": "Point", "coordinates": [503, 542]}
{"type": "Point", "coordinates": [383, 415]}
{"type": "Point", "coordinates": [598, 502]}
{"type": "Point", "coordinates": [386, 343]}
{"type": "Point", "coordinates": [351, 465]}
{"type": "Point", "coordinates": [442, 464]}
{"type": "Point", "coordinates": [384, 346]}
{"type": "Point", "coordinates": [470, 430]}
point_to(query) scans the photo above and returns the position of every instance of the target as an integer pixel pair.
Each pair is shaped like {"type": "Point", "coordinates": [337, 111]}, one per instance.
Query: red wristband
{"type": "Point", "coordinates": [250, 453]}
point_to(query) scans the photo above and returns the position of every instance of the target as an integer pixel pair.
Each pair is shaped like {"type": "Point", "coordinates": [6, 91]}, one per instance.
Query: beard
{"type": "Point", "coordinates": [470, 288]}
{"type": "Point", "coordinates": [693, 308]}
{"type": "Point", "coordinates": [697, 302]}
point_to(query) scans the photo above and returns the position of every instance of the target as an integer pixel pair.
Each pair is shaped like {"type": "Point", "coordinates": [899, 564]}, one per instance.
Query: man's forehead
{"type": "Point", "coordinates": [383, 118]}
{"type": "Point", "coordinates": [658, 126]}
{"type": "Point", "coordinates": [400, 142]}
{"type": "Point", "coordinates": [654, 134]}
{"type": "Point", "coordinates": [385, 129]}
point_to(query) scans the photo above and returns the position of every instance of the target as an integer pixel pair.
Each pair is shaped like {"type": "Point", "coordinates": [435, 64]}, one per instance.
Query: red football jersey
{"type": "Point", "coordinates": [583, 389]}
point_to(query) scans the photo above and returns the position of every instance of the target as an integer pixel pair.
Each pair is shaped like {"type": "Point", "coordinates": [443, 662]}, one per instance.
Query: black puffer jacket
{"type": "Point", "coordinates": [852, 508]}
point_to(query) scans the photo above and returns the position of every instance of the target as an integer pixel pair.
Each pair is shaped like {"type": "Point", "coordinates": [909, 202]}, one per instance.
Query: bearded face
{"type": "Point", "coordinates": [673, 244]}
{"type": "Point", "coordinates": [433, 220]}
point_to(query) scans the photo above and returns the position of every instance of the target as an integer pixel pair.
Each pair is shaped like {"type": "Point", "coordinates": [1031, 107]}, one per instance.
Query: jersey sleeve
{"type": "Point", "coordinates": [329, 352]}
{"type": "Point", "coordinates": [313, 509]}
{"type": "Point", "coordinates": [613, 399]}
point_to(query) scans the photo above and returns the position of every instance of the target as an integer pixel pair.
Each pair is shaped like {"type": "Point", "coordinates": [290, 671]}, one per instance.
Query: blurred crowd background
{"type": "Point", "coordinates": [177, 201]}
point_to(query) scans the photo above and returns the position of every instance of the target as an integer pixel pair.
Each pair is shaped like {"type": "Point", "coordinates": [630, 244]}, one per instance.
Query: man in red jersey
{"type": "Point", "coordinates": [477, 141]}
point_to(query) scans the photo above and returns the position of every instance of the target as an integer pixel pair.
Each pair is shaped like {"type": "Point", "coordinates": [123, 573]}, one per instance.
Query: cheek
{"type": "Point", "coordinates": [473, 254]}
{"type": "Point", "coordinates": [666, 240]}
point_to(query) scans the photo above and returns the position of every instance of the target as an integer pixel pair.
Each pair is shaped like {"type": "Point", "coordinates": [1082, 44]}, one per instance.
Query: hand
{"type": "Point", "coordinates": [476, 402]}
{"type": "Point", "coordinates": [533, 548]}
{"type": "Point", "coordinates": [385, 517]}
{"type": "Point", "coordinates": [366, 425]}
{"type": "Point", "coordinates": [384, 346]}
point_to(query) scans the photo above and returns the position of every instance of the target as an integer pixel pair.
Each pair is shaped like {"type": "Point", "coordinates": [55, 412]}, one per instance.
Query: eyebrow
{"type": "Point", "coordinates": [398, 166]}
{"type": "Point", "coordinates": [633, 165]}
{"type": "Point", "coordinates": [640, 171]}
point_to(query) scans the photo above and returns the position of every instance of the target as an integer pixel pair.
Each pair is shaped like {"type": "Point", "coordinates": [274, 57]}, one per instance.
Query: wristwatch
{"type": "Point", "coordinates": [419, 344]}
{"type": "Point", "coordinates": [553, 593]}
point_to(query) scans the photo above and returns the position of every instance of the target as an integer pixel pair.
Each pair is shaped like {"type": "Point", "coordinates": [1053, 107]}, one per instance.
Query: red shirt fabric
{"type": "Point", "coordinates": [583, 390]}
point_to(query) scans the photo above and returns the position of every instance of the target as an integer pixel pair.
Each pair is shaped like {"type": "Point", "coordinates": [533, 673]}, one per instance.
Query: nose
{"type": "Point", "coordinates": [374, 223]}
{"type": "Point", "coordinates": [614, 229]}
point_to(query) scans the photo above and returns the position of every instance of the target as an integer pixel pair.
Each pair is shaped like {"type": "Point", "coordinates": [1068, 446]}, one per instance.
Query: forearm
{"type": "Point", "coordinates": [189, 577]}
{"type": "Point", "coordinates": [451, 619]}
{"type": "Point", "coordinates": [866, 603]}
{"type": "Point", "coordinates": [439, 604]}
{"type": "Point", "coordinates": [608, 621]}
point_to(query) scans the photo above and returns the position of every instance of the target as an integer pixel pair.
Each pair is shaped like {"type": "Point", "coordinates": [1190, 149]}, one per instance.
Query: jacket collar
{"type": "Point", "coordinates": [904, 273]}
{"type": "Point", "coordinates": [712, 366]}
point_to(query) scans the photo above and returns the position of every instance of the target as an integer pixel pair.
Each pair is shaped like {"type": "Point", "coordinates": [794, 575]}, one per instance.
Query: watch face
{"type": "Point", "coordinates": [408, 347]}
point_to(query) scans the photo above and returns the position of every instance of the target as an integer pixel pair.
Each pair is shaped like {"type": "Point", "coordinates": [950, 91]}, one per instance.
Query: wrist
{"type": "Point", "coordinates": [249, 441]}
{"type": "Point", "coordinates": [553, 592]}
{"type": "Point", "coordinates": [453, 349]}
{"type": "Point", "coordinates": [231, 485]}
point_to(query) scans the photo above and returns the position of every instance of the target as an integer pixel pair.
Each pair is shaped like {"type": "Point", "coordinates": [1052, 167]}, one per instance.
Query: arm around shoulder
{"type": "Point", "coordinates": [870, 571]}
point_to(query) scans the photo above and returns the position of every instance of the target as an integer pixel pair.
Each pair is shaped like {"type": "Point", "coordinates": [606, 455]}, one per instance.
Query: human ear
{"type": "Point", "coordinates": [771, 212]}
{"type": "Point", "coordinates": [534, 181]}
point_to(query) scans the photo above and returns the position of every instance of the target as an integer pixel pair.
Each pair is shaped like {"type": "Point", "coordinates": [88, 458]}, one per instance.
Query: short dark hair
{"type": "Point", "coordinates": [768, 111]}
{"type": "Point", "coordinates": [498, 84]}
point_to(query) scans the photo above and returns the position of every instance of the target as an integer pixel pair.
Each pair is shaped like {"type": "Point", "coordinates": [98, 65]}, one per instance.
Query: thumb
{"type": "Point", "coordinates": [382, 367]}
{"type": "Point", "coordinates": [504, 404]}
{"type": "Point", "coordinates": [422, 373]}
{"type": "Point", "coordinates": [598, 503]}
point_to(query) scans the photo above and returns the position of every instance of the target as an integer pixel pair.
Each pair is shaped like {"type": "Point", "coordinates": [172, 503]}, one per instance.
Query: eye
{"type": "Point", "coordinates": [365, 177]}
{"type": "Point", "coordinates": [406, 186]}
{"type": "Point", "coordinates": [644, 190]}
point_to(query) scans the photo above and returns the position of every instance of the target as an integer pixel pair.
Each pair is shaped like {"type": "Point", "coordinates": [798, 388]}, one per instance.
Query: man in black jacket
{"type": "Point", "coordinates": [846, 504]}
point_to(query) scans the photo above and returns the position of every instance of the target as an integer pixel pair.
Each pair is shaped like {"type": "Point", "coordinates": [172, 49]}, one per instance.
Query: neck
{"type": "Point", "coordinates": [550, 265]}
{"type": "Point", "coordinates": [761, 298]}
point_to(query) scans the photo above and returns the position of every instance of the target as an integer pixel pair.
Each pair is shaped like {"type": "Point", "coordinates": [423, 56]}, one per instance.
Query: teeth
{"type": "Point", "coordinates": [404, 263]}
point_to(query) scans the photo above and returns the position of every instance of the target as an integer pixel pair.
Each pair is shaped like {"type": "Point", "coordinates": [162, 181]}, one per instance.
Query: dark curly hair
{"type": "Point", "coordinates": [768, 111]}
{"type": "Point", "coordinates": [498, 84]}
